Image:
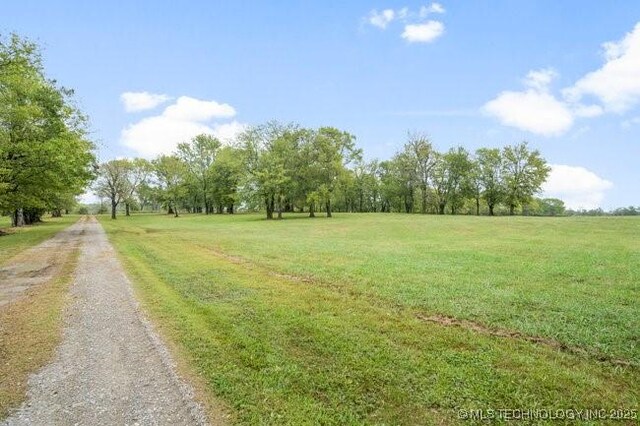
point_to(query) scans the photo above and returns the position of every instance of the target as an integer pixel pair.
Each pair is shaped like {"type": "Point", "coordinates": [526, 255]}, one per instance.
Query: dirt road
{"type": "Point", "coordinates": [111, 367]}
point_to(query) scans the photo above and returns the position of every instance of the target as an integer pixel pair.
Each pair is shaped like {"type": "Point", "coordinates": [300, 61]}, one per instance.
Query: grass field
{"type": "Point", "coordinates": [396, 319]}
{"type": "Point", "coordinates": [14, 240]}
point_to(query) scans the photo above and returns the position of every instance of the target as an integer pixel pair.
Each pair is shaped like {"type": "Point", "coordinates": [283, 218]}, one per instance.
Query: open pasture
{"type": "Point", "coordinates": [374, 318]}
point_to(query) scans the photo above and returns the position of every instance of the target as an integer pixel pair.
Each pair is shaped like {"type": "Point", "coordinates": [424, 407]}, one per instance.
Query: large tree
{"type": "Point", "coordinates": [524, 173]}
{"type": "Point", "coordinates": [225, 179]}
{"type": "Point", "coordinates": [113, 183]}
{"type": "Point", "coordinates": [199, 156]}
{"type": "Point", "coordinates": [137, 175]}
{"type": "Point", "coordinates": [440, 183]}
{"type": "Point", "coordinates": [420, 150]}
{"type": "Point", "coordinates": [45, 156]}
{"type": "Point", "coordinates": [170, 172]}
{"type": "Point", "coordinates": [489, 175]}
{"type": "Point", "coordinates": [332, 150]}
{"type": "Point", "coordinates": [459, 165]}
{"type": "Point", "coordinates": [269, 151]}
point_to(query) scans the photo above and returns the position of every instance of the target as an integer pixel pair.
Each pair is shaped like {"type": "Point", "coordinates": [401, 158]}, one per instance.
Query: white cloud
{"type": "Point", "coordinates": [535, 109]}
{"type": "Point", "coordinates": [432, 8]}
{"type": "Point", "coordinates": [381, 19]}
{"type": "Point", "coordinates": [416, 30]}
{"type": "Point", "coordinates": [616, 84]}
{"type": "Point", "coordinates": [140, 101]}
{"type": "Point", "coordinates": [227, 132]}
{"type": "Point", "coordinates": [540, 79]}
{"type": "Point", "coordinates": [179, 122]}
{"type": "Point", "coordinates": [191, 109]}
{"type": "Point", "coordinates": [578, 187]}
{"type": "Point", "coordinates": [423, 33]}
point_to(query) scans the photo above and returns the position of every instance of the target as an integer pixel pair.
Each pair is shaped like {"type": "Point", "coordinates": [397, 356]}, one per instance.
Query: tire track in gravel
{"type": "Point", "coordinates": [111, 367]}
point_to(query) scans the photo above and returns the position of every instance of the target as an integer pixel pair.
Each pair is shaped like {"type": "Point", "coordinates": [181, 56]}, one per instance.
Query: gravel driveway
{"type": "Point", "coordinates": [111, 368]}
{"type": "Point", "coordinates": [38, 265]}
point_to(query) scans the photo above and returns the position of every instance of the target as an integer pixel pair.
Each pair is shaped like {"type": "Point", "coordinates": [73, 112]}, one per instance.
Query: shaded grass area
{"type": "Point", "coordinates": [296, 322]}
{"type": "Point", "coordinates": [30, 331]}
{"type": "Point", "coordinates": [14, 240]}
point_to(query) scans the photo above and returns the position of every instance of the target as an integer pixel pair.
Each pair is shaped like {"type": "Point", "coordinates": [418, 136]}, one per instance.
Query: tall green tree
{"type": "Point", "coordinates": [459, 177]}
{"type": "Point", "coordinates": [489, 175]}
{"type": "Point", "coordinates": [199, 156]}
{"type": "Point", "coordinates": [403, 172]}
{"type": "Point", "coordinates": [440, 182]}
{"type": "Point", "coordinates": [45, 156]}
{"type": "Point", "coordinates": [332, 150]}
{"type": "Point", "coordinates": [524, 173]}
{"type": "Point", "coordinates": [113, 183]}
{"type": "Point", "coordinates": [170, 172]}
{"type": "Point", "coordinates": [137, 175]}
{"type": "Point", "coordinates": [225, 178]}
{"type": "Point", "coordinates": [420, 150]}
{"type": "Point", "coordinates": [267, 155]}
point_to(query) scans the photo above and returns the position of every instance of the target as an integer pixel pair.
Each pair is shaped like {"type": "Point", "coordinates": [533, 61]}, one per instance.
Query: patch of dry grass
{"type": "Point", "coordinates": [30, 331]}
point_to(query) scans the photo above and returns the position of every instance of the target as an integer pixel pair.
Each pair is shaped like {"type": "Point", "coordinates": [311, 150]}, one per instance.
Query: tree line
{"type": "Point", "coordinates": [279, 168]}
{"type": "Point", "coordinates": [46, 159]}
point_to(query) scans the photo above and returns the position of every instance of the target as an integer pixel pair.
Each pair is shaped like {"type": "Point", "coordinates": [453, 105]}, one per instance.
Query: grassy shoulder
{"type": "Point", "coordinates": [14, 240]}
{"type": "Point", "coordinates": [30, 331]}
{"type": "Point", "coordinates": [255, 310]}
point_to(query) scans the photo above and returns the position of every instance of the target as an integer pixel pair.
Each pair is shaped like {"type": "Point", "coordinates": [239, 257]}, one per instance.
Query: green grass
{"type": "Point", "coordinates": [14, 240]}
{"type": "Point", "coordinates": [319, 321]}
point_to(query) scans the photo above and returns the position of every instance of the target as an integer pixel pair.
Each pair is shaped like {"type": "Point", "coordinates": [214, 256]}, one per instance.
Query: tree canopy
{"type": "Point", "coordinates": [45, 157]}
{"type": "Point", "coordinates": [282, 168]}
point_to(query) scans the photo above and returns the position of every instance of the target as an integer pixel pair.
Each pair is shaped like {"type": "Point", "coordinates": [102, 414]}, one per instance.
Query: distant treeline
{"type": "Point", "coordinates": [281, 168]}
{"type": "Point", "coordinates": [620, 211]}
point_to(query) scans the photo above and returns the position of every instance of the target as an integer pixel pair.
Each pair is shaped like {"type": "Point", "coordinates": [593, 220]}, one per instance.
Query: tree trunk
{"type": "Point", "coordinates": [56, 213]}
{"type": "Point", "coordinates": [230, 208]}
{"type": "Point", "coordinates": [126, 209]}
{"type": "Point", "coordinates": [423, 208]}
{"type": "Point", "coordinates": [113, 208]}
{"type": "Point", "coordinates": [477, 206]}
{"type": "Point", "coordinates": [512, 209]}
{"type": "Point", "coordinates": [175, 210]}
{"type": "Point", "coordinates": [328, 205]}
{"type": "Point", "coordinates": [441, 207]}
{"type": "Point", "coordinates": [170, 209]}
{"type": "Point", "coordinates": [17, 218]}
{"type": "Point", "coordinates": [312, 209]}
{"type": "Point", "coordinates": [269, 205]}
{"type": "Point", "coordinates": [408, 207]}
{"type": "Point", "coordinates": [491, 209]}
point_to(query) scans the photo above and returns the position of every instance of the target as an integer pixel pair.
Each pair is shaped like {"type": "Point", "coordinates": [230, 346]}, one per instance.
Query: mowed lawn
{"type": "Point", "coordinates": [330, 320]}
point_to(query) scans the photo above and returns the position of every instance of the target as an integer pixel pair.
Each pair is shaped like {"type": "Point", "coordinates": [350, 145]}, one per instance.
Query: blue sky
{"type": "Point", "coordinates": [564, 76]}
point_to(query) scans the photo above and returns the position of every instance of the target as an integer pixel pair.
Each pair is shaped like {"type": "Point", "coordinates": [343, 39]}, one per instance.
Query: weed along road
{"type": "Point", "coordinates": [111, 367]}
